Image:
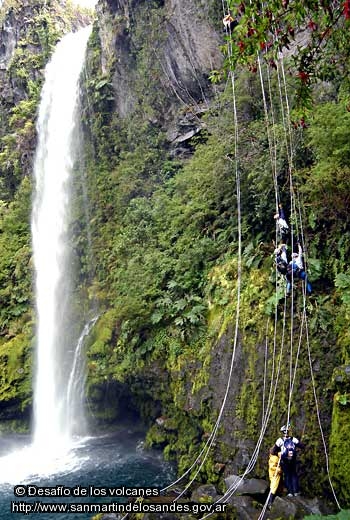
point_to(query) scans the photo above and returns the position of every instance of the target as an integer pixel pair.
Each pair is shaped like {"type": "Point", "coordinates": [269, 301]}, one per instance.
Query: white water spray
{"type": "Point", "coordinates": [53, 167]}
{"type": "Point", "coordinates": [59, 377]}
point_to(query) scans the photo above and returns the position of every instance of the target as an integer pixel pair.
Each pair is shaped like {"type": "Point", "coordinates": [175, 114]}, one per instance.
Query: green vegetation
{"type": "Point", "coordinates": [40, 26]}
{"type": "Point", "coordinates": [344, 514]}
{"type": "Point", "coordinates": [313, 33]}
{"type": "Point", "coordinates": [15, 269]}
{"type": "Point", "coordinates": [164, 234]}
{"type": "Point", "coordinates": [163, 265]}
{"type": "Point", "coordinates": [36, 28]}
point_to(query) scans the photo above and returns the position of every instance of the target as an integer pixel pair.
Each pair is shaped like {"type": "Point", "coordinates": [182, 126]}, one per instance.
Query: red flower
{"type": "Point", "coordinates": [312, 25]}
{"type": "Point", "coordinates": [303, 76]}
{"type": "Point", "coordinates": [241, 46]}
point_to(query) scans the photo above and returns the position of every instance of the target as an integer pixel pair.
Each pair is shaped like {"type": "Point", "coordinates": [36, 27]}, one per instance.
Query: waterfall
{"type": "Point", "coordinates": [58, 353]}
{"type": "Point", "coordinates": [76, 382]}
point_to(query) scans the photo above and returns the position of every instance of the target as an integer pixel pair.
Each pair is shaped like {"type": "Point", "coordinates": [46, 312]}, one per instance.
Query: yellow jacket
{"type": "Point", "coordinates": [275, 472]}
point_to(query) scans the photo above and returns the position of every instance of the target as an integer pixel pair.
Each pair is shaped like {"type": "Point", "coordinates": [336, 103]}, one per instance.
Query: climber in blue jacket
{"type": "Point", "coordinates": [296, 270]}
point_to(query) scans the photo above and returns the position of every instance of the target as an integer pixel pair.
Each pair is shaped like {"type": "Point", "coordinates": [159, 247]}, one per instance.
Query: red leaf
{"type": "Point", "coordinates": [346, 9]}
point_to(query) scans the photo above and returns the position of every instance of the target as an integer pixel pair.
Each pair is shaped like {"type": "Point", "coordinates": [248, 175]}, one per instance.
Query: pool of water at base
{"type": "Point", "coordinates": [112, 460]}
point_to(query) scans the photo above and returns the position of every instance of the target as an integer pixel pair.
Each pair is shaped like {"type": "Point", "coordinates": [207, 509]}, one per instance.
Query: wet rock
{"type": "Point", "coordinates": [283, 508]}
{"type": "Point", "coordinates": [8, 43]}
{"type": "Point", "coordinates": [252, 486]}
{"type": "Point", "coordinates": [184, 52]}
{"type": "Point", "coordinates": [205, 492]}
{"type": "Point", "coordinates": [187, 135]}
{"type": "Point", "coordinates": [297, 507]}
{"type": "Point", "coordinates": [314, 506]}
{"type": "Point", "coordinates": [341, 377]}
{"type": "Point", "coordinates": [244, 507]}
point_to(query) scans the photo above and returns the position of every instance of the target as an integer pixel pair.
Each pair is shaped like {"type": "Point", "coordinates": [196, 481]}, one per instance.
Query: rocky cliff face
{"type": "Point", "coordinates": [154, 60]}
{"type": "Point", "coordinates": [28, 33]}
{"type": "Point", "coordinates": [15, 34]}
{"type": "Point", "coordinates": [16, 47]}
{"type": "Point", "coordinates": [164, 342]}
{"type": "Point", "coordinates": [149, 99]}
{"type": "Point", "coordinates": [169, 47]}
{"type": "Point", "coordinates": [8, 43]}
{"type": "Point", "coordinates": [160, 138]}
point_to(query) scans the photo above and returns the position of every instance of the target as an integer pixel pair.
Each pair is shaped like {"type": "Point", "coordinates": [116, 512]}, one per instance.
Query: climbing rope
{"type": "Point", "coordinates": [205, 451]}
{"type": "Point", "coordinates": [313, 377]}
{"type": "Point", "coordinates": [288, 142]}
{"type": "Point", "coordinates": [265, 371]}
{"type": "Point", "coordinates": [294, 357]}
{"type": "Point", "coordinates": [284, 107]}
{"type": "Point", "coordinates": [292, 376]}
{"type": "Point", "coordinates": [271, 141]}
{"type": "Point", "coordinates": [277, 198]}
{"type": "Point", "coordinates": [234, 487]}
{"type": "Point", "coordinates": [201, 458]}
{"type": "Point", "coordinates": [274, 385]}
{"type": "Point", "coordinates": [319, 415]}
{"type": "Point", "coordinates": [304, 320]}
{"type": "Point", "coordinates": [266, 416]}
{"type": "Point", "coordinates": [269, 407]}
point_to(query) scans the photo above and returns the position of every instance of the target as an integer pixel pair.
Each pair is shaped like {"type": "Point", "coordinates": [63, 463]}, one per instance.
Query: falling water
{"type": "Point", "coordinates": [76, 383]}
{"type": "Point", "coordinates": [57, 138]}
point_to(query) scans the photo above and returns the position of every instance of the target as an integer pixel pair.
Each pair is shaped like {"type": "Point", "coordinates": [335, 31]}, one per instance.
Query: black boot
{"type": "Point", "coordinates": [272, 498]}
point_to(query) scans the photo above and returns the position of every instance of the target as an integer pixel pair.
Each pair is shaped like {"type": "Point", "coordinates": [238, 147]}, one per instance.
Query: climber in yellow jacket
{"type": "Point", "coordinates": [275, 472]}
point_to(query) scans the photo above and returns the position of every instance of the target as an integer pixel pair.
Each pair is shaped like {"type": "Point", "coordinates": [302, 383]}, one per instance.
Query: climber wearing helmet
{"type": "Point", "coordinates": [288, 448]}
